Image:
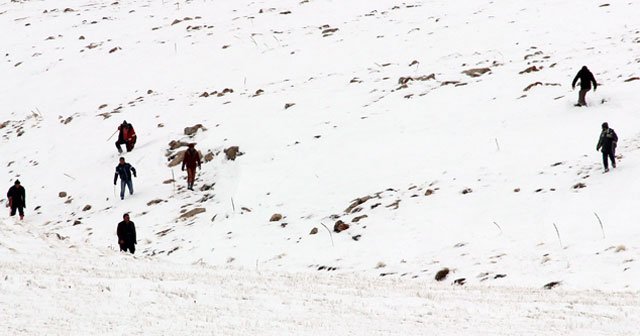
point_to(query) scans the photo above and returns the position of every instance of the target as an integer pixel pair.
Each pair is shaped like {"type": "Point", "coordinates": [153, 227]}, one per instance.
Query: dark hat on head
{"type": "Point", "coordinates": [125, 215]}
{"type": "Point", "coordinates": [605, 125]}
{"type": "Point", "coordinates": [17, 182]}
{"type": "Point", "coordinates": [192, 144]}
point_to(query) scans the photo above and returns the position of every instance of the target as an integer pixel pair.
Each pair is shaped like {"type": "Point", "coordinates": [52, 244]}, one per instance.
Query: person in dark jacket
{"type": "Point", "coordinates": [123, 170]}
{"type": "Point", "coordinates": [17, 200]}
{"type": "Point", "coordinates": [127, 235]}
{"type": "Point", "coordinates": [586, 79]}
{"type": "Point", "coordinates": [608, 142]}
{"type": "Point", "coordinates": [191, 160]}
{"type": "Point", "coordinates": [126, 136]}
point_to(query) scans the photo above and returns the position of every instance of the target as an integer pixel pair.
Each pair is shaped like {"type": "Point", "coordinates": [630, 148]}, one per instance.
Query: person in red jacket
{"type": "Point", "coordinates": [126, 136]}
{"type": "Point", "coordinates": [191, 160]}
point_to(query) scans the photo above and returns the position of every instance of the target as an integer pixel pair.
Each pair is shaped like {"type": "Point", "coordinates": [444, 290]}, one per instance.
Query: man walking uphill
{"type": "Point", "coordinates": [124, 170]}
{"type": "Point", "coordinates": [127, 235]}
{"type": "Point", "coordinates": [17, 200]}
{"type": "Point", "coordinates": [126, 136]}
{"type": "Point", "coordinates": [608, 141]}
{"type": "Point", "coordinates": [586, 78]}
{"type": "Point", "coordinates": [191, 160]}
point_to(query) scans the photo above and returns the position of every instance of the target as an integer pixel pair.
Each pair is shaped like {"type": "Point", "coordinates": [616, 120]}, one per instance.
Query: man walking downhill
{"type": "Point", "coordinates": [127, 235]}
{"type": "Point", "coordinates": [124, 170]}
{"type": "Point", "coordinates": [586, 78]}
{"type": "Point", "coordinates": [191, 160]}
{"type": "Point", "coordinates": [608, 142]}
{"type": "Point", "coordinates": [17, 200]}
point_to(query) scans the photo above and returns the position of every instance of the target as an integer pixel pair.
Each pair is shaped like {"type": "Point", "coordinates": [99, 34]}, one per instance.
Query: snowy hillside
{"type": "Point", "coordinates": [443, 133]}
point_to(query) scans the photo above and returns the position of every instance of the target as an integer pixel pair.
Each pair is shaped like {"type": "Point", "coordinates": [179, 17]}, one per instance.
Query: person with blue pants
{"type": "Point", "coordinates": [124, 170]}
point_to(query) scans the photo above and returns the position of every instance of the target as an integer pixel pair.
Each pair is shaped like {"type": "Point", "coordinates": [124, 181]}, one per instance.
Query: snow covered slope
{"type": "Point", "coordinates": [400, 105]}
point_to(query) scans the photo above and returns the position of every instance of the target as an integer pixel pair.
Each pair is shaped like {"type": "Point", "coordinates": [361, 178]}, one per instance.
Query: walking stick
{"type": "Point", "coordinates": [114, 191]}
{"type": "Point", "coordinates": [114, 133]}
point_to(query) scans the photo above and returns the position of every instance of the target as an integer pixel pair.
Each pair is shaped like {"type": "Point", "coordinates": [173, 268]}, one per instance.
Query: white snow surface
{"type": "Point", "coordinates": [73, 71]}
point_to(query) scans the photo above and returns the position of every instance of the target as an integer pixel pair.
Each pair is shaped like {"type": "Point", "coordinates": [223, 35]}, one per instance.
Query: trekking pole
{"type": "Point", "coordinates": [114, 133]}
{"type": "Point", "coordinates": [114, 191]}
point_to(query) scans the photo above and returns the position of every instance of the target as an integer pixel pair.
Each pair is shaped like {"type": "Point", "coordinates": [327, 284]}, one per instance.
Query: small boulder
{"type": "Point", "coordinates": [193, 212]}
{"type": "Point", "coordinates": [442, 274]}
{"type": "Point", "coordinates": [62, 194]}
{"type": "Point", "coordinates": [208, 157]}
{"type": "Point", "coordinates": [429, 192]}
{"type": "Point", "coordinates": [86, 207]}
{"type": "Point", "coordinates": [314, 231]}
{"type": "Point", "coordinates": [275, 217]}
{"type": "Point", "coordinates": [193, 129]}
{"type": "Point", "coordinates": [340, 226]}
{"type": "Point", "coordinates": [232, 152]}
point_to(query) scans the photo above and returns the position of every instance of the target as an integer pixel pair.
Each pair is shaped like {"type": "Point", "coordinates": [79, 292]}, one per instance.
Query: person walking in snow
{"type": "Point", "coordinates": [127, 235]}
{"type": "Point", "coordinates": [126, 136]}
{"type": "Point", "coordinates": [190, 160]}
{"type": "Point", "coordinates": [608, 142]}
{"type": "Point", "coordinates": [123, 170]}
{"type": "Point", "coordinates": [586, 79]}
{"type": "Point", "coordinates": [17, 200]}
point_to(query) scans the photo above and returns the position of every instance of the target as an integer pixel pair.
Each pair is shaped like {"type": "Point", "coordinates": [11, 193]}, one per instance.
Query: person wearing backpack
{"type": "Point", "coordinates": [607, 144]}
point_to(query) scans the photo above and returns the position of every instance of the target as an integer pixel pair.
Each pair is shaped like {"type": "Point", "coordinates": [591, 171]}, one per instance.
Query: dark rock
{"type": "Point", "coordinates": [340, 226]}
{"type": "Point", "coordinates": [86, 207]}
{"type": "Point", "coordinates": [442, 274]}
{"type": "Point", "coordinates": [314, 231]}
{"type": "Point", "coordinates": [276, 217]}
{"type": "Point", "coordinates": [62, 194]}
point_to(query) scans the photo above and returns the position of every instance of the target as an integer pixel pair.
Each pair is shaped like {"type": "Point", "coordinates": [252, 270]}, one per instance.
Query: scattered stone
{"type": "Point", "coordinates": [579, 185]}
{"type": "Point", "coordinates": [232, 152]}
{"type": "Point", "coordinates": [177, 159]}
{"type": "Point", "coordinates": [442, 274]}
{"type": "Point", "coordinates": [177, 144]}
{"type": "Point", "coordinates": [620, 248]}
{"type": "Point", "coordinates": [355, 203]}
{"type": "Point", "coordinates": [460, 281]}
{"type": "Point", "coordinates": [477, 72]}
{"type": "Point", "coordinates": [340, 226]}
{"type": "Point", "coordinates": [466, 191]}
{"type": "Point", "coordinates": [193, 212]}
{"type": "Point", "coordinates": [516, 190]}
{"type": "Point", "coordinates": [499, 276]}
{"type": "Point", "coordinates": [356, 237]}
{"type": "Point", "coordinates": [357, 219]}
{"type": "Point", "coordinates": [62, 194]}
{"type": "Point", "coordinates": [86, 207]}
{"type": "Point", "coordinates": [552, 284]}
{"type": "Point", "coordinates": [208, 157]}
{"type": "Point", "coordinates": [429, 192]}
{"type": "Point", "coordinates": [632, 79]}
{"type": "Point", "coordinates": [288, 105]}
{"type": "Point", "coordinates": [530, 69]}
{"type": "Point", "coordinates": [155, 201]}
{"type": "Point", "coordinates": [314, 231]}
{"type": "Point", "coordinates": [76, 222]}
{"type": "Point", "coordinates": [275, 217]}
{"type": "Point", "coordinates": [193, 129]}
{"type": "Point", "coordinates": [168, 181]}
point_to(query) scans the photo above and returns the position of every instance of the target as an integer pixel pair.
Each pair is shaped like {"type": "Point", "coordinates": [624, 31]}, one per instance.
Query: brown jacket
{"type": "Point", "coordinates": [191, 158]}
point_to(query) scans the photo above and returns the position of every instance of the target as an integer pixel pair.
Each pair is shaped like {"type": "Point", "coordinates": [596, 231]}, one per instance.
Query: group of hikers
{"type": "Point", "coordinates": [126, 230]}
